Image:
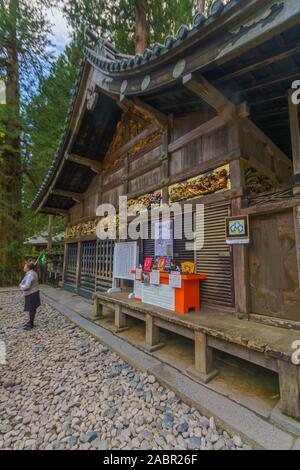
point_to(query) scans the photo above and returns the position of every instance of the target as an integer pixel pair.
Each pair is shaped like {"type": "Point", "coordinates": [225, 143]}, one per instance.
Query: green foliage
{"type": "Point", "coordinates": [24, 57]}
{"type": "Point", "coordinates": [116, 20]}
{"type": "Point", "coordinates": [23, 24]}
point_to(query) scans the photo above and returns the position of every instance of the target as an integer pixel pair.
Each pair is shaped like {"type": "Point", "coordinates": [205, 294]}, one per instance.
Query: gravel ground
{"type": "Point", "coordinates": [61, 389]}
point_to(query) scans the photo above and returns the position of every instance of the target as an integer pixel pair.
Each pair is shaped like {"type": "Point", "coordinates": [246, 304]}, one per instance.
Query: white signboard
{"type": "Point", "coordinates": [175, 281]}
{"type": "Point", "coordinates": [162, 296]}
{"type": "Point", "coordinates": [155, 278]}
{"type": "Point", "coordinates": [138, 274]}
{"type": "Point", "coordinates": [125, 260]}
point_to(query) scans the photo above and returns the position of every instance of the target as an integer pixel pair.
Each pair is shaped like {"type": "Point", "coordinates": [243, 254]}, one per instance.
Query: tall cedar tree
{"type": "Point", "coordinates": [23, 54]}
{"type": "Point", "coordinates": [141, 26]}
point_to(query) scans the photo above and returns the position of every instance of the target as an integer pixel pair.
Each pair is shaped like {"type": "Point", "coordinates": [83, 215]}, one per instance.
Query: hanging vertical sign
{"type": "Point", "coordinates": [164, 239]}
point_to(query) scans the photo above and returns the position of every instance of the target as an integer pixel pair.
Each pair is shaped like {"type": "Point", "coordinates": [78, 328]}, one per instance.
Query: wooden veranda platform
{"type": "Point", "coordinates": [267, 346]}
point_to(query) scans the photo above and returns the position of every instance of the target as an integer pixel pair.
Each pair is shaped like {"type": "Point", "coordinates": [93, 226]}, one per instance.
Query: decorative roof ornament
{"type": "Point", "coordinates": [104, 49]}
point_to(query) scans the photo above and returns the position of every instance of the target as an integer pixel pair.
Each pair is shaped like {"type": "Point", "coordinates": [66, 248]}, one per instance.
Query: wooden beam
{"type": "Point", "coordinates": [94, 165]}
{"type": "Point", "coordinates": [266, 83]}
{"type": "Point", "coordinates": [154, 114]}
{"type": "Point", "coordinates": [77, 197]}
{"type": "Point", "coordinates": [129, 145]}
{"type": "Point", "coordinates": [267, 99]}
{"type": "Point", "coordinates": [249, 126]}
{"type": "Point", "coordinates": [212, 96]}
{"type": "Point", "coordinates": [271, 207]}
{"type": "Point", "coordinates": [57, 211]}
{"type": "Point", "coordinates": [207, 128]}
{"type": "Point", "coordinates": [228, 111]}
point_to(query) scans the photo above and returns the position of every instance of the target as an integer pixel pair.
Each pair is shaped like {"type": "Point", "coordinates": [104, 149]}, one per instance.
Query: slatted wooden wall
{"type": "Point", "coordinates": [215, 258]}
{"type": "Point", "coordinates": [70, 276]}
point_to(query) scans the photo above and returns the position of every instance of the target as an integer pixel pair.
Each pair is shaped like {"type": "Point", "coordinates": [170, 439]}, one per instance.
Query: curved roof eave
{"type": "Point", "coordinates": [58, 157]}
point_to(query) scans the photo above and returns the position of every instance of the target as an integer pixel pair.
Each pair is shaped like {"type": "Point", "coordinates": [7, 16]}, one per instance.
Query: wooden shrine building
{"type": "Point", "coordinates": [207, 117]}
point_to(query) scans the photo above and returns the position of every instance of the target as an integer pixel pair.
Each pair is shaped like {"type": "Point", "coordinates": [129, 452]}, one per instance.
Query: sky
{"type": "Point", "coordinates": [60, 28]}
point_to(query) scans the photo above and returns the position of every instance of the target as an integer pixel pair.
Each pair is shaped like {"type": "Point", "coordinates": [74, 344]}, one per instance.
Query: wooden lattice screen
{"type": "Point", "coordinates": [70, 276]}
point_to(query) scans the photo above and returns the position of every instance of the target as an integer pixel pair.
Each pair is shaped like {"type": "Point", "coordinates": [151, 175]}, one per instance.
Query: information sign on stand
{"type": "Point", "coordinates": [155, 278]}
{"type": "Point", "coordinates": [125, 261]}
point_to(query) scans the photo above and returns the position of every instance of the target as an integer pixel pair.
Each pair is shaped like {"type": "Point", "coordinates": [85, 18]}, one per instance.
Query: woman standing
{"type": "Point", "coordinates": [30, 288]}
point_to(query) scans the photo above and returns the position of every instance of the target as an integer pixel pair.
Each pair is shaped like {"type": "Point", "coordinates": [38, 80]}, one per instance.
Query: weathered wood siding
{"type": "Point", "coordinates": [261, 156]}
{"type": "Point", "coordinates": [273, 267]}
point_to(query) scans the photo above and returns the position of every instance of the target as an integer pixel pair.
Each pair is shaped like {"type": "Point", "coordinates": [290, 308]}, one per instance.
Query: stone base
{"type": "Point", "coordinates": [296, 189]}
{"type": "Point", "coordinates": [97, 317]}
{"type": "Point", "coordinates": [199, 377]}
{"type": "Point", "coordinates": [153, 348]}
{"type": "Point", "coordinates": [288, 424]}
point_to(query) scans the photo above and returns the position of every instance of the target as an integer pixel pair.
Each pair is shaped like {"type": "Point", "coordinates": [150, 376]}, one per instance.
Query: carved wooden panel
{"type": "Point", "coordinates": [273, 267]}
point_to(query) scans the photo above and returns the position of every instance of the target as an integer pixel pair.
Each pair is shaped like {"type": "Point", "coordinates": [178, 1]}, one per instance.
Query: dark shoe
{"type": "Point", "coordinates": [28, 327]}
{"type": "Point", "coordinates": [26, 324]}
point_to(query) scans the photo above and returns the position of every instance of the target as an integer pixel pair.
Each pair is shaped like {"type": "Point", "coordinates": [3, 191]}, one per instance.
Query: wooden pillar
{"type": "Point", "coordinates": [204, 370]}
{"type": "Point", "coordinates": [152, 334]}
{"type": "Point", "coordinates": [65, 263]}
{"type": "Point", "coordinates": [120, 318]}
{"type": "Point", "coordinates": [78, 265]}
{"type": "Point", "coordinates": [295, 136]}
{"type": "Point", "coordinates": [289, 381]}
{"type": "Point", "coordinates": [297, 237]}
{"type": "Point", "coordinates": [241, 271]}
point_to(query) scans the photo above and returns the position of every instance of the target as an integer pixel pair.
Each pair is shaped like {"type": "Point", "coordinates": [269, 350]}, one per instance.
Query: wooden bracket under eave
{"type": "Point", "coordinates": [77, 197]}
{"type": "Point", "coordinates": [49, 210]}
{"type": "Point", "coordinates": [154, 114]}
{"type": "Point", "coordinates": [209, 93]}
{"type": "Point", "coordinates": [93, 165]}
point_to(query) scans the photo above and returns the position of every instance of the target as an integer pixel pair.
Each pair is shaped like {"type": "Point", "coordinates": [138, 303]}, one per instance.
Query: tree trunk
{"type": "Point", "coordinates": [11, 165]}
{"type": "Point", "coordinates": [200, 8]}
{"type": "Point", "coordinates": [141, 26]}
